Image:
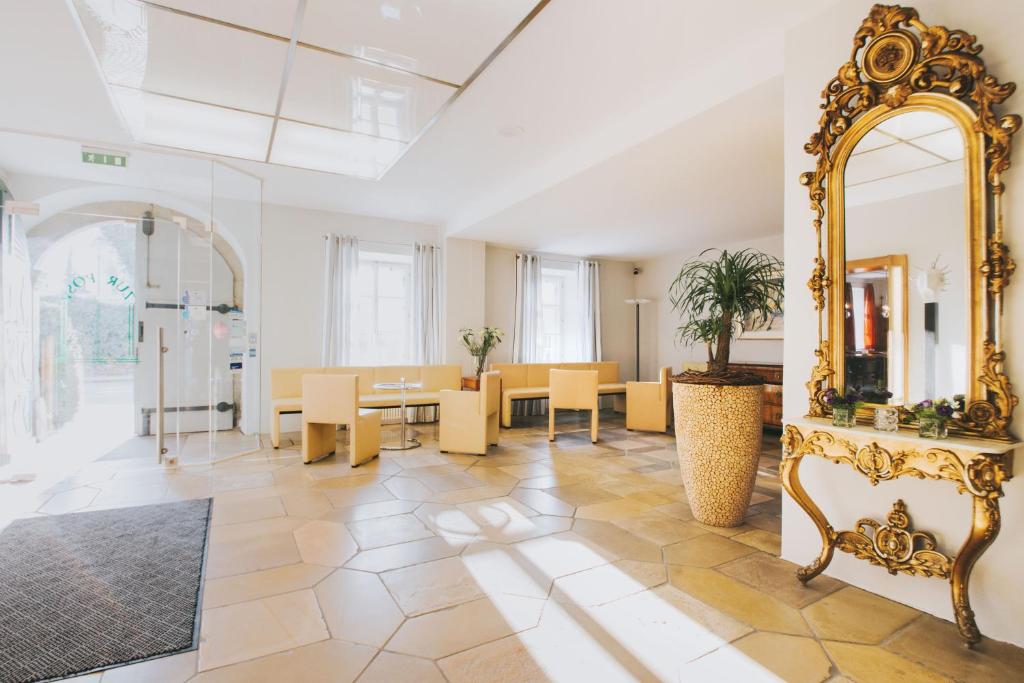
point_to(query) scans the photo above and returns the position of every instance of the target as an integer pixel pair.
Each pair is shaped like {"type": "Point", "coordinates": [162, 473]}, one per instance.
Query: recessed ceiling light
{"type": "Point", "coordinates": [391, 12]}
{"type": "Point", "coordinates": [511, 131]}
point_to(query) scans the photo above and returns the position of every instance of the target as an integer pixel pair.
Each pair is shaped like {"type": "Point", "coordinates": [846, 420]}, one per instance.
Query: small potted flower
{"type": "Point", "coordinates": [844, 406]}
{"type": "Point", "coordinates": [480, 343]}
{"type": "Point", "coordinates": [933, 416]}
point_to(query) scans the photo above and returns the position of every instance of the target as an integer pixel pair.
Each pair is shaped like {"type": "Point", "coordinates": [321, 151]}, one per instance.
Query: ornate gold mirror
{"type": "Point", "coordinates": [911, 265]}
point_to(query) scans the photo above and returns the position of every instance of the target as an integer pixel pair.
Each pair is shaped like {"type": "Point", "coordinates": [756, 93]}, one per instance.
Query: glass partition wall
{"type": "Point", "coordinates": [169, 252]}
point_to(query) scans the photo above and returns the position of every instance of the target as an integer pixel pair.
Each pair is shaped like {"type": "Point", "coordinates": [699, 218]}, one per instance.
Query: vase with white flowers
{"type": "Point", "coordinates": [480, 343]}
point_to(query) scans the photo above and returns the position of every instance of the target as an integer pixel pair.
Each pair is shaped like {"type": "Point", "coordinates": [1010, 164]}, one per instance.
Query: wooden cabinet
{"type": "Point", "coordinates": [771, 410]}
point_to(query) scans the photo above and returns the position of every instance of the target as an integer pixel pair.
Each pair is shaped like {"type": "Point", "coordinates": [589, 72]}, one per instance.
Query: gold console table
{"type": "Point", "coordinates": [976, 467]}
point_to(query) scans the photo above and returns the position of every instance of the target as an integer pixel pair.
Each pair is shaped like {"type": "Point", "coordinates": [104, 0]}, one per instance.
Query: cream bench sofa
{"type": "Point", "coordinates": [286, 388]}
{"type": "Point", "coordinates": [522, 381]}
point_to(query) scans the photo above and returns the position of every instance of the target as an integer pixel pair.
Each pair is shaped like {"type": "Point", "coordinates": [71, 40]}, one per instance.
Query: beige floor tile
{"type": "Point", "coordinates": [262, 584]}
{"type": "Point", "coordinates": [499, 569]}
{"type": "Point", "coordinates": [770, 574]}
{"type": "Point", "coordinates": [563, 554]}
{"type": "Point", "coordinates": [738, 600]}
{"type": "Point", "coordinates": [659, 629]}
{"type": "Point", "coordinates": [617, 541]}
{"type": "Point", "coordinates": [233, 512]}
{"type": "Point", "coordinates": [449, 522]}
{"type": "Point", "coordinates": [503, 661]}
{"type": "Point", "coordinates": [70, 501]}
{"type": "Point", "coordinates": [521, 529]}
{"type": "Point", "coordinates": [493, 476]}
{"type": "Point", "coordinates": [607, 582]}
{"type": "Point", "coordinates": [376, 533]}
{"type": "Point", "coordinates": [543, 502]}
{"type": "Point", "coordinates": [389, 667]}
{"type": "Point", "coordinates": [405, 554]}
{"type": "Point", "coordinates": [385, 508]}
{"type": "Point", "coordinates": [497, 511]}
{"type": "Point", "coordinates": [173, 669]}
{"type": "Point", "coordinates": [528, 470]}
{"type": "Point", "coordinates": [330, 661]}
{"type": "Point", "coordinates": [346, 496]}
{"type": "Point", "coordinates": [458, 628]}
{"type": "Point", "coordinates": [309, 504]}
{"type": "Point", "coordinates": [854, 615]}
{"type": "Point", "coordinates": [236, 633]}
{"type": "Point", "coordinates": [407, 488]}
{"type": "Point", "coordinates": [258, 529]}
{"type": "Point", "coordinates": [358, 608]}
{"type": "Point", "coordinates": [250, 554]}
{"type": "Point", "coordinates": [443, 483]}
{"type": "Point", "coordinates": [772, 523]}
{"type": "Point", "coordinates": [580, 494]}
{"type": "Point", "coordinates": [325, 543]}
{"type": "Point", "coordinates": [763, 657]}
{"type": "Point", "coordinates": [459, 496]}
{"type": "Point", "coordinates": [762, 540]}
{"type": "Point", "coordinates": [359, 481]}
{"type": "Point", "coordinates": [706, 550]}
{"type": "Point", "coordinates": [434, 585]}
{"type": "Point", "coordinates": [612, 510]}
{"type": "Point", "coordinates": [868, 664]}
{"type": "Point", "coordinates": [659, 529]}
{"type": "Point", "coordinates": [937, 644]}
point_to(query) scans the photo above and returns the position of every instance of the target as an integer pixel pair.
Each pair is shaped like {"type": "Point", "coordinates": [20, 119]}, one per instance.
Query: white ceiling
{"type": "Point", "coordinates": [586, 80]}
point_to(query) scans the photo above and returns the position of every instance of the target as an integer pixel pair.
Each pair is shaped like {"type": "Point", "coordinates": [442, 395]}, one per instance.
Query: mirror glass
{"type": "Point", "coordinates": [907, 326]}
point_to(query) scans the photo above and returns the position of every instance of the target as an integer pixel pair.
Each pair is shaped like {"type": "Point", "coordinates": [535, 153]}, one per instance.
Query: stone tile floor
{"type": "Point", "coordinates": [565, 561]}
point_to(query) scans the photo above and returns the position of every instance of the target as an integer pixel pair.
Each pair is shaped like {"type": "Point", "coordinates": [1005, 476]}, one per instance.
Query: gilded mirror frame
{"type": "Point", "coordinates": [899, 64]}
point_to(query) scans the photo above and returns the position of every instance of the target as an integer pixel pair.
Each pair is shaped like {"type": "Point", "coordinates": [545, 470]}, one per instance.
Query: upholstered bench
{"type": "Point", "coordinates": [523, 381]}
{"type": "Point", "coordinates": [286, 388]}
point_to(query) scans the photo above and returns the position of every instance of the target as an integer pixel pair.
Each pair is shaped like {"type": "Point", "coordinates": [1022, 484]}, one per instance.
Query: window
{"type": "Point", "coordinates": [381, 329]}
{"type": "Point", "coordinates": [559, 319]}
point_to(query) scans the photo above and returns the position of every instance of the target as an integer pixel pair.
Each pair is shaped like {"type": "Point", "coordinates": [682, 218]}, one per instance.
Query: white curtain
{"type": "Point", "coordinates": [341, 264]}
{"type": "Point", "coordinates": [526, 339]}
{"type": "Point", "coordinates": [588, 288]}
{"type": "Point", "coordinates": [426, 315]}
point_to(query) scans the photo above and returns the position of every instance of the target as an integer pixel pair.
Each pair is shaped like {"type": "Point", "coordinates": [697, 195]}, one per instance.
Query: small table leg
{"type": "Point", "coordinates": [404, 444]}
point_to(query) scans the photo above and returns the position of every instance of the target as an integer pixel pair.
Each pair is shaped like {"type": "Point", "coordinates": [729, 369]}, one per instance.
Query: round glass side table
{"type": "Point", "coordinates": [404, 443]}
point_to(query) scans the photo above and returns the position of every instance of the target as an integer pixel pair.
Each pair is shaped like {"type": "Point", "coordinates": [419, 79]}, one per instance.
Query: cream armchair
{"type": "Point", "coordinates": [331, 400]}
{"type": "Point", "coordinates": [648, 404]}
{"type": "Point", "coordinates": [573, 390]}
{"type": "Point", "coordinates": [469, 419]}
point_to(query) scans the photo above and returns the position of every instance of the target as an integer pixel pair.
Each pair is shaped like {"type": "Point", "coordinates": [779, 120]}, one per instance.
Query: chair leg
{"type": "Point", "coordinates": [593, 425]}
{"type": "Point", "coordinates": [275, 430]}
{"type": "Point", "coordinates": [551, 423]}
{"type": "Point", "coordinates": [317, 441]}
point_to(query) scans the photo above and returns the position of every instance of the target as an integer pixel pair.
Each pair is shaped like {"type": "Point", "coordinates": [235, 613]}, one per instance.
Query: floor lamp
{"type": "Point", "coordinates": [638, 303]}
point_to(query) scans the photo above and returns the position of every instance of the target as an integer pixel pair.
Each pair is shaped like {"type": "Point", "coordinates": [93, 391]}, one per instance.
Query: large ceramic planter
{"type": "Point", "coordinates": [718, 440]}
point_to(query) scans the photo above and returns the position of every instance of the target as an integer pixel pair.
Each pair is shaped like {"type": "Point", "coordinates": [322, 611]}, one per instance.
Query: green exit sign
{"type": "Point", "coordinates": [95, 156]}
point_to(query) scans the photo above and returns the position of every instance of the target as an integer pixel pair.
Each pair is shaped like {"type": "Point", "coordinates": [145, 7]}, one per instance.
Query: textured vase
{"type": "Point", "coordinates": [718, 440]}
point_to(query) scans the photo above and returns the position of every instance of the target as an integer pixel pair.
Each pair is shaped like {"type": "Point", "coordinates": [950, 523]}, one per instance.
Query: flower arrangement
{"type": "Point", "coordinates": [932, 415]}
{"type": "Point", "coordinates": [480, 343]}
{"type": "Point", "coordinates": [853, 398]}
{"type": "Point", "coordinates": [940, 408]}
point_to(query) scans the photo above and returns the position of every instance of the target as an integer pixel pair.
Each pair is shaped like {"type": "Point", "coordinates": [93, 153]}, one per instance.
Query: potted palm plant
{"type": "Point", "coordinates": [718, 411]}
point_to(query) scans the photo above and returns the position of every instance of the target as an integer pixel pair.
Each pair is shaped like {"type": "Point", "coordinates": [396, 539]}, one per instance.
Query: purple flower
{"type": "Point", "coordinates": [944, 410]}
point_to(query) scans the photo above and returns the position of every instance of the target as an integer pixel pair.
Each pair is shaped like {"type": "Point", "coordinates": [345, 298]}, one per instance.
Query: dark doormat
{"type": "Point", "coordinates": [92, 590]}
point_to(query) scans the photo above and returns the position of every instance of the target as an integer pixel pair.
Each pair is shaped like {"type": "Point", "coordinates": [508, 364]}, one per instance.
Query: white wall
{"type": "Point", "coordinates": [658, 322]}
{"type": "Point", "coordinates": [465, 302]}
{"type": "Point", "coordinates": [617, 340]}
{"type": "Point", "coordinates": [293, 254]}
{"type": "Point", "coordinates": [843, 495]}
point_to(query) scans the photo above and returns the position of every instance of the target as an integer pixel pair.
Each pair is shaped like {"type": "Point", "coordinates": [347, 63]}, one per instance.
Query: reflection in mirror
{"type": "Point", "coordinates": [907, 303]}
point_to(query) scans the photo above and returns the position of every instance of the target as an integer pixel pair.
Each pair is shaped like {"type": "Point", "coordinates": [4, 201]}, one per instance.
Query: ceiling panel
{"type": "Point", "coordinates": [443, 39]}
{"type": "Point", "coordinates": [885, 162]}
{"type": "Point", "coordinates": [912, 124]}
{"type": "Point", "coordinates": [172, 54]}
{"type": "Point", "coordinates": [321, 149]}
{"type": "Point", "coordinates": [948, 144]}
{"type": "Point", "coordinates": [345, 93]}
{"type": "Point", "coordinates": [874, 139]}
{"type": "Point", "coordinates": [171, 122]}
{"type": "Point", "coordinates": [271, 16]}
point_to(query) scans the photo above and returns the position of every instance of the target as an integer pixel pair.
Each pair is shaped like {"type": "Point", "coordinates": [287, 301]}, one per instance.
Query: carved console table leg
{"type": "Point", "coordinates": [984, 528]}
{"type": "Point", "coordinates": [791, 482]}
